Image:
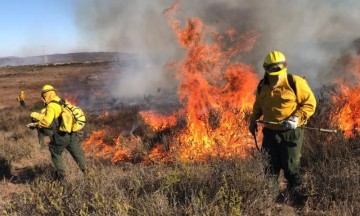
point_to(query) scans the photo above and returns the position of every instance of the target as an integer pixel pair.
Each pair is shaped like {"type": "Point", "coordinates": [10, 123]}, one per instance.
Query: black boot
{"type": "Point", "coordinates": [298, 196]}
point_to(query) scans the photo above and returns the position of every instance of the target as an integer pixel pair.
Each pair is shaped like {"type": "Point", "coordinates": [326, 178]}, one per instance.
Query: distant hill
{"type": "Point", "coordinates": [65, 58]}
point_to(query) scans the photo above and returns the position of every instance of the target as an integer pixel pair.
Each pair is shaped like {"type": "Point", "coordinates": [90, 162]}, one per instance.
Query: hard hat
{"type": "Point", "coordinates": [275, 63]}
{"type": "Point", "coordinates": [47, 88]}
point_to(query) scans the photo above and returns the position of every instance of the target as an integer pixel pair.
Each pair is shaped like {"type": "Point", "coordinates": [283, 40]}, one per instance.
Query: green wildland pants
{"type": "Point", "coordinates": [22, 103]}
{"type": "Point", "coordinates": [284, 151]}
{"type": "Point", "coordinates": [42, 133]}
{"type": "Point", "coordinates": [69, 141]}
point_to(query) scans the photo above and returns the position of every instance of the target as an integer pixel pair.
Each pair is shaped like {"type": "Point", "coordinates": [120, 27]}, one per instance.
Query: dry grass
{"type": "Point", "coordinates": [217, 187]}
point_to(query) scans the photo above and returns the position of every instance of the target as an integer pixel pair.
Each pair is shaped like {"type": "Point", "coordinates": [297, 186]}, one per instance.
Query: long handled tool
{"type": "Point", "coordinates": [256, 143]}
{"type": "Point", "coordinates": [305, 127]}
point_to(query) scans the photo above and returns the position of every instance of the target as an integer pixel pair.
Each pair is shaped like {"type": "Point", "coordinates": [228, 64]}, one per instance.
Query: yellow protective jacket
{"type": "Point", "coordinates": [37, 116]}
{"type": "Point", "coordinates": [281, 102]}
{"type": "Point", "coordinates": [21, 96]}
{"type": "Point", "coordinates": [53, 110]}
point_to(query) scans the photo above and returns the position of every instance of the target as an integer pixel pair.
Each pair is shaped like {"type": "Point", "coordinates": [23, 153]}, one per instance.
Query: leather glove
{"type": "Point", "coordinates": [291, 122]}
{"type": "Point", "coordinates": [253, 127]}
{"type": "Point", "coordinates": [31, 125]}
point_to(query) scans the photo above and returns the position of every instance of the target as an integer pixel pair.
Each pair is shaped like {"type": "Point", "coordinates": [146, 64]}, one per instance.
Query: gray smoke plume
{"type": "Point", "coordinates": [312, 34]}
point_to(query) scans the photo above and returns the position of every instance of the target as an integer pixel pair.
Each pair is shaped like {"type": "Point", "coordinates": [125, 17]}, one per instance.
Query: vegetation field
{"type": "Point", "coordinates": [135, 186]}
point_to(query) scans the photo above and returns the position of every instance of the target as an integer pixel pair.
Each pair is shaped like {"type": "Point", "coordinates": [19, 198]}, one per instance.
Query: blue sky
{"type": "Point", "coordinates": [30, 27]}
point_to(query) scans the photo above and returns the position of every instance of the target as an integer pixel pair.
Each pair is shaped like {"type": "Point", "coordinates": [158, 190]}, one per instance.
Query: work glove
{"type": "Point", "coordinates": [291, 122]}
{"type": "Point", "coordinates": [31, 125]}
{"type": "Point", "coordinates": [253, 127]}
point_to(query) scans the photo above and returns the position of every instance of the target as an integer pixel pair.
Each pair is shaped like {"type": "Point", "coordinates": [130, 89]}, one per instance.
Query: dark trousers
{"type": "Point", "coordinates": [42, 133]}
{"type": "Point", "coordinates": [69, 141]}
{"type": "Point", "coordinates": [22, 103]}
{"type": "Point", "coordinates": [284, 151]}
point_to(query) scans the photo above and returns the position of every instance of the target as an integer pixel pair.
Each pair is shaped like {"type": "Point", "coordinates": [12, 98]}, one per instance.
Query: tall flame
{"type": "Point", "coordinates": [216, 96]}
{"type": "Point", "coordinates": [348, 99]}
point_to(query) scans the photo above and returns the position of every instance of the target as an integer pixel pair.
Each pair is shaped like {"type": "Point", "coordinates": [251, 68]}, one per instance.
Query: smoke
{"type": "Point", "coordinates": [312, 34]}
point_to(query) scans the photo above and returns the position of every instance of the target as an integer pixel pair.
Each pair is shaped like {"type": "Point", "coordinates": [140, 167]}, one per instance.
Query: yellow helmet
{"type": "Point", "coordinates": [275, 63]}
{"type": "Point", "coordinates": [47, 88]}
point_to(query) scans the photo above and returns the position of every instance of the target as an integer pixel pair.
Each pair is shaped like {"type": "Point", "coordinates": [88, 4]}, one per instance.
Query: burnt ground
{"type": "Point", "coordinates": [31, 79]}
{"type": "Point", "coordinates": [88, 84]}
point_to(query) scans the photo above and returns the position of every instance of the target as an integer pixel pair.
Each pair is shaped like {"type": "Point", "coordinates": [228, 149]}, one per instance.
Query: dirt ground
{"type": "Point", "coordinates": [89, 85]}
{"type": "Point", "coordinates": [86, 82]}
{"type": "Point", "coordinates": [78, 80]}
{"type": "Point", "coordinates": [66, 78]}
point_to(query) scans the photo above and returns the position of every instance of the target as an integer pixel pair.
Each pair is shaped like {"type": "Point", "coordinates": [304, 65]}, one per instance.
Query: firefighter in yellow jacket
{"type": "Point", "coordinates": [42, 132]}
{"type": "Point", "coordinates": [60, 140]}
{"type": "Point", "coordinates": [21, 99]}
{"type": "Point", "coordinates": [288, 100]}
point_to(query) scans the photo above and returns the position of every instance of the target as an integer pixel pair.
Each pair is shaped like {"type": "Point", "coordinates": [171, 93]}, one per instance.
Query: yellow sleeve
{"type": "Point", "coordinates": [52, 112]}
{"type": "Point", "coordinates": [257, 111]}
{"type": "Point", "coordinates": [37, 116]}
{"type": "Point", "coordinates": [306, 100]}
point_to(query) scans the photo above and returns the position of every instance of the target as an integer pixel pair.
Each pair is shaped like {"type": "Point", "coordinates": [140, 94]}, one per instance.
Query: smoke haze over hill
{"type": "Point", "coordinates": [312, 34]}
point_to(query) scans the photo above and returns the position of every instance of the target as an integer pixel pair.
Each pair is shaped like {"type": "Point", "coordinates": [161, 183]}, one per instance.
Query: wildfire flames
{"type": "Point", "coordinates": [215, 94]}
{"type": "Point", "coordinates": [71, 98]}
{"type": "Point", "coordinates": [348, 99]}
{"type": "Point", "coordinates": [116, 151]}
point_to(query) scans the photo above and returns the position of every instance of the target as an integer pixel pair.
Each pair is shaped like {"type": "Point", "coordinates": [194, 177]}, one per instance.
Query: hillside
{"type": "Point", "coordinates": [65, 58]}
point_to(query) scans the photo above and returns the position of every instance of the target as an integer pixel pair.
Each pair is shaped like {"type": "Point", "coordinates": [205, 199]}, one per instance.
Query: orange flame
{"type": "Point", "coordinates": [348, 99]}
{"type": "Point", "coordinates": [120, 149]}
{"type": "Point", "coordinates": [216, 97]}
{"type": "Point", "coordinates": [71, 98]}
{"type": "Point", "coordinates": [157, 121]}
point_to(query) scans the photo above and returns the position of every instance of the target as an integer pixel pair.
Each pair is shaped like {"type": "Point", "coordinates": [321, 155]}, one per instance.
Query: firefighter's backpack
{"type": "Point", "coordinates": [72, 118]}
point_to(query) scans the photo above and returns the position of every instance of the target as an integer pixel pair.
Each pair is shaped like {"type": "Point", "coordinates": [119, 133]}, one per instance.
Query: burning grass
{"type": "Point", "coordinates": [348, 113]}
{"type": "Point", "coordinates": [216, 187]}
{"type": "Point", "coordinates": [215, 92]}
{"type": "Point", "coordinates": [199, 160]}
